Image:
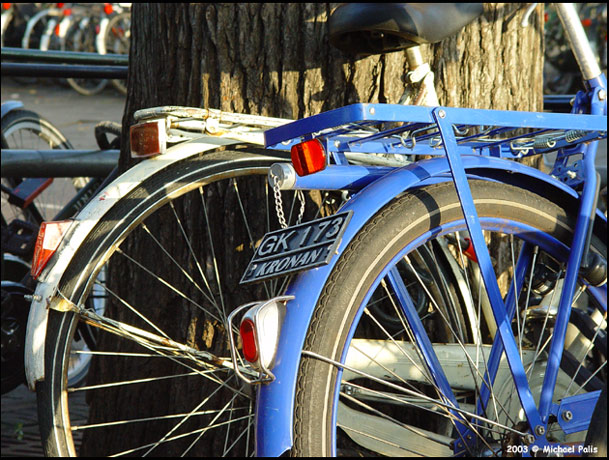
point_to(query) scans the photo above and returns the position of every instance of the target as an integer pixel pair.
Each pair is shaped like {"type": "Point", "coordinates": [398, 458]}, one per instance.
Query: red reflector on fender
{"type": "Point", "coordinates": [47, 242]}
{"type": "Point", "coordinates": [308, 157]}
{"type": "Point", "coordinates": [248, 337]}
{"type": "Point", "coordinates": [148, 139]}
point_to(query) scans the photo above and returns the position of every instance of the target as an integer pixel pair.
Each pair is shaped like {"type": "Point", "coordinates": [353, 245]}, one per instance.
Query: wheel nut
{"type": "Point", "coordinates": [567, 416]}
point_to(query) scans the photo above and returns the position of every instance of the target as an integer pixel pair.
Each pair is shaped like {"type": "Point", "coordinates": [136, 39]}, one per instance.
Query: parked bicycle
{"type": "Point", "coordinates": [26, 203]}
{"type": "Point", "coordinates": [102, 28]}
{"type": "Point", "coordinates": [391, 340]}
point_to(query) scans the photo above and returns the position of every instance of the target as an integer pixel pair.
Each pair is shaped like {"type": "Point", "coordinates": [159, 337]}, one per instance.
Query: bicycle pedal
{"type": "Point", "coordinates": [20, 238]}
{"type": "Point", "coordinates": [24, 193]}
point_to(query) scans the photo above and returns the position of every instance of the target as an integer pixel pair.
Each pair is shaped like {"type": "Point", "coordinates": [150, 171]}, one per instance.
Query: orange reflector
{"type": "Point", "coordinates": [248, 337]}
{"type": "Point", "coordinates": [47, 242]}
{"type": "Point", "coordinates": [308, 157]}
{"type": "Point", "coordinates": [148, 139]}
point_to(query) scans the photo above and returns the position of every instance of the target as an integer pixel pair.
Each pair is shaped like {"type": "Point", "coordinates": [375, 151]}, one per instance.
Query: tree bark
{"type": "Point", "coordinates": [275, 60]}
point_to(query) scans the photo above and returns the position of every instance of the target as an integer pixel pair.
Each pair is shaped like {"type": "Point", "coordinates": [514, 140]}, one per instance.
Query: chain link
{"type": "Point", "coordinates": [279, 203]}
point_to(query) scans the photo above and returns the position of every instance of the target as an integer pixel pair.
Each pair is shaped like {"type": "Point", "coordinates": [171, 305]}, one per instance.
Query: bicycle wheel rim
{"type": "Point", "coordinates": [25, 129]}
{"type": "Point", "coordinates": [239, 398]}
{"type": "Point", "coordinates": [436, 443]}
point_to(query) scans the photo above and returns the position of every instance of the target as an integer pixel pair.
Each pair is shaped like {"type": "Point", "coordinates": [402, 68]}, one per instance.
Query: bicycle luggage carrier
{"type": "Point", "coordinates": [407, 130]}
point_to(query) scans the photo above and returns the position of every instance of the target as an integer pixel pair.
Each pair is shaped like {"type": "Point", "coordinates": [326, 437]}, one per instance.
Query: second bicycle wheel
{"type": "Point", "coordinates": [161, 381]}
{"type": "Point", "coordinates": [369, 385]}
{"type": "Point", "coordinates": [24, 129]}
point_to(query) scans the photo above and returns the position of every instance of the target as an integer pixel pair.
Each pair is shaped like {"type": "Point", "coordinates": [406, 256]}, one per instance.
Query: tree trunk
{"type": "Point", "coordinates": [275, 60]}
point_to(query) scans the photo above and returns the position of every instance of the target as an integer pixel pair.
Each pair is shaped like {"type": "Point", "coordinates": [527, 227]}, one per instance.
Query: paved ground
{"type": "Point", "coordinates": [76, 117]}
{"type": "Point", "coordinates": [73, 114]}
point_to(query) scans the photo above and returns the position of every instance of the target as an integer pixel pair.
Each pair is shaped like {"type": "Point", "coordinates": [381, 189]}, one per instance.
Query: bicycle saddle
{"type": "Point", "coordinates": [375, 28]}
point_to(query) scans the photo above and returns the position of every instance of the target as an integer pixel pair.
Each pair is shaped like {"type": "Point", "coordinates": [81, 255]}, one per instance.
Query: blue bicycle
{"type": "Point", "coordinates": [404, 339]}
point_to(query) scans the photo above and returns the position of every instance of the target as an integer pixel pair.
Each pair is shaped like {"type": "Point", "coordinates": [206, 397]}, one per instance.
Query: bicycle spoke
{"type": "Point", "coordinates": [196, 260]}
{"type": "Point", "coordinates": [208, 296]}
{"type": "Point", "coordinates": [169, 285]}
{"type": "Point", "coordinates": [213, 252]}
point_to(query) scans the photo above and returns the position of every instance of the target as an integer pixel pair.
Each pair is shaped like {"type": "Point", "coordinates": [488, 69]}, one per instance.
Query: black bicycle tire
{"type": "Point", "coordinates": [43, 128]}
{"type": "Point", "coordinates": [341, 297]}
{"type": "Point", "coordinates": [88, 257]}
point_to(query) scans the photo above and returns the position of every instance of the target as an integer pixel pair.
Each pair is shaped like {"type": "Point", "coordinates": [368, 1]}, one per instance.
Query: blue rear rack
{"type": "Point", "coordinates": [405, 130]}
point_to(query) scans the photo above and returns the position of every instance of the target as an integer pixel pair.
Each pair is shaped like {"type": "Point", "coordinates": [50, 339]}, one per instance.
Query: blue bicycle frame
{"type": "Point", "coordinates": [455, 159]}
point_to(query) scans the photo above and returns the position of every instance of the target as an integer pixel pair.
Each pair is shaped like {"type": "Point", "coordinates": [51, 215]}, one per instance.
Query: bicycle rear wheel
{"type": "Point", "coordinates": [388, 399]}
{"type": "Point", "coordinates": [161, 381]}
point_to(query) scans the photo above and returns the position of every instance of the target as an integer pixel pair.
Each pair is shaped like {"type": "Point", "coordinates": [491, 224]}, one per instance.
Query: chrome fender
{"type": "Point", "coordinates": [45, 296]}
{"type": "Point", "coordinates": [275, 401]}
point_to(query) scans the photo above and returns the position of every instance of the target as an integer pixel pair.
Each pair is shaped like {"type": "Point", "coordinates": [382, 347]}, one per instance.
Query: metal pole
{"type": "Point", "coordinates": [58, 163]}
{"type": "Point", "coordinates": [578, 40]}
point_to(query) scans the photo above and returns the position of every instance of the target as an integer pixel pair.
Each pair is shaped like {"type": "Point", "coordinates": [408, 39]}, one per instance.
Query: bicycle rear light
{"type": "Point", "coordinates": [247, 331]}
{"type": "Point", "coordinates": [47, 242]}
{"type": "Point", "coordinates": [148, 139]}
{"type": "Point", "coordinates": [259, 330]}
{"type": "Point", "coordinates": [108, 8]}
{"type": "Point", "coordinates": [308, 157]}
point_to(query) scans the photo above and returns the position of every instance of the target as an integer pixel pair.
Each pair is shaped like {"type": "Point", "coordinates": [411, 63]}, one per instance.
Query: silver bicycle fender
{"type": "Point", "coordinates": [45, 295]}
{"type": "Point", "coordinates": [275, 403]}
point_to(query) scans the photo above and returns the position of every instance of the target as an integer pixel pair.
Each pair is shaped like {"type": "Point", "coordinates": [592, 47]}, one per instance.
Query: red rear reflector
{"type": "Point", "coordinates": [248, 337]}
{"type": "Point", "coordinates": [6, 6]}
{"type": "Point", "coordinates": [47, 242]}
{"type": "Point", "coordinates": [108, 8]}
{"type": "Point", "coordinates": [148, 139]}
{"type": "Point", "coordinates": [308, 157]}
{"type": "Point", "coordinates": [469, 250]}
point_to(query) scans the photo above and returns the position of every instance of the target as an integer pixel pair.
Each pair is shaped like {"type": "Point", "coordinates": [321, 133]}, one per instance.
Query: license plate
{"type": "Point", "coordinates": [297, 248]}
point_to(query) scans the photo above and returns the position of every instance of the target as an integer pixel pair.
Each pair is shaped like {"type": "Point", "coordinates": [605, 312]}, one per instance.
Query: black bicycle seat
{"type": "Point", "coordinates": [375, 28]}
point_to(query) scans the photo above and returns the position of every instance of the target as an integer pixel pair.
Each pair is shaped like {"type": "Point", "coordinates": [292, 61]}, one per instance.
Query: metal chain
{"type": "Point", "coordinates": [279, 203]}
{"type": "Point", "coordinates": [301, 197]}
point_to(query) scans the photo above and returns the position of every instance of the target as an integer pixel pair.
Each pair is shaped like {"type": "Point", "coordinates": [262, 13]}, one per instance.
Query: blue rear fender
{"type": "Point", "coordinates": [275, 403]}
